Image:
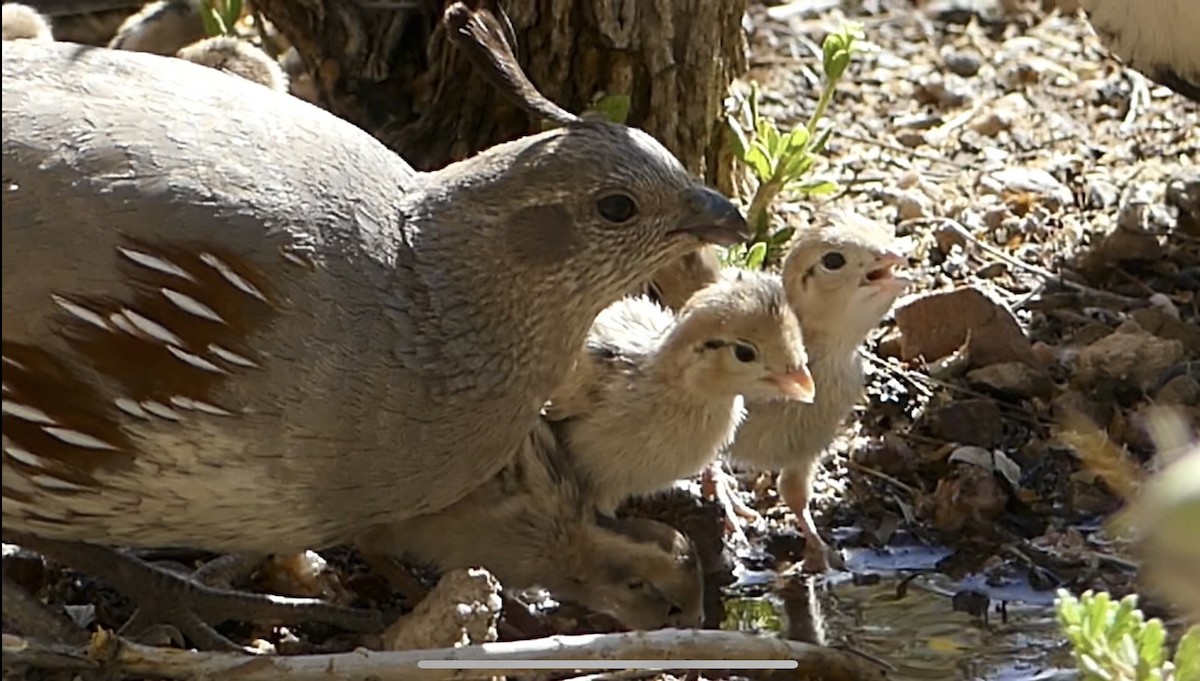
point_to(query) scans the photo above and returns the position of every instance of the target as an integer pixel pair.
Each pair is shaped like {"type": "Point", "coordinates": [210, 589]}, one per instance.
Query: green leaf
{"type": "Point", "coordinates": [1187, 656]}
{"type": "Point", "coordinates": [756, 256]}
{"type": "Point", "coordinates": [615, 108]}
{"type": "Point", "coordinates": [818, 187]}
{"type": "Point", "coordinates": [753, 102]}
{"type": "Point", "coordinates": [782, 236]}
{"type": "Point", "coordinates": [233, 12]}
{"type": "Point", "coordinates": [818, 147]}
{"type": "Point", "coordinates": [211, 20]}
{"type": "Point", "coordinates": [759, 161]}
{"type": "Point", "coordinates": [737, 139]}
{"type": "Point", "coordinates": [796, 141]}
{"type": "Point", "coordinates": [1152, 643]}
{"type": "Point", "coordinates": [795, 167]}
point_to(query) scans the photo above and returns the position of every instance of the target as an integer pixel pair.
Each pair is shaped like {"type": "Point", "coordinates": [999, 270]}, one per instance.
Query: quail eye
{"type": "Point", "coordinates": [617, 208]}
{"type": "Point", "coordinates": [636, 585]}
{"type": "Point", "coordinates": [744, 352]}
{"type": "Point", "coordinates": [833, 261]}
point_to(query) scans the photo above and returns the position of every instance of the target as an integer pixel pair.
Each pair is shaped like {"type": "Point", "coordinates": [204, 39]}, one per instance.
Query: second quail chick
{"type": "Point", "coordinates": [237, 57]}
{"type": "Point", "coordinates": [163, 27]}
{"type": "Point", "coordinates": [654, 397]}
{"type": "Point", "coordinates": [530, 527]}
{"type": "Point", "coordinates": [840, 283]}
{"type": "Point", "coordinates": [22, 22]}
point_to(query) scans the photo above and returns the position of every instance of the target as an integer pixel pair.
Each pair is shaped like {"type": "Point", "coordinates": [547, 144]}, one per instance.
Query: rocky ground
{"type": "Point", "coordinates": [1050, 204]}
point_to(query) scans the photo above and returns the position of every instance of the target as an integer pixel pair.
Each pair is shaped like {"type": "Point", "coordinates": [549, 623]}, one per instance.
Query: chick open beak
{"type": "Point", "coordinates": [712, 218]}
{"type": "Point", "coordinates": [796, 385]}
{"type": "Point", "coordinates": [881, 275]}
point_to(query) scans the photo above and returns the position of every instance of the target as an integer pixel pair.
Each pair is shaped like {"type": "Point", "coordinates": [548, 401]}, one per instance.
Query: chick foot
{"type": "Point", "coordinates": [189, 605]}
{"type": "Point", "coordinates": [717, 484]}
{"type": "Point", "coordinates": [818, 556]}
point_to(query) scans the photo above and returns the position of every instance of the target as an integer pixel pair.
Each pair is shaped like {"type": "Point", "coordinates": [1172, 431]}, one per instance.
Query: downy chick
{"type": "Point", "coordinates": [22, 22]}
{"type": "Point", "coordinates": [529, 527]}
{"type": "Point", "coordinates": [654, 398]}
{"type": "Point", "coordinates": [164, 27]}
{"type": "Point", "coordinates": [840, 283]}
{"type": "Point", "coordinates": [237, 57]}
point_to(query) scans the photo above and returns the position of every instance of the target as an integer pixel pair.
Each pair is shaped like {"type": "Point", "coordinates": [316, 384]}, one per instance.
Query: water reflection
{"type": "Point", "coordinates": [918, 635]}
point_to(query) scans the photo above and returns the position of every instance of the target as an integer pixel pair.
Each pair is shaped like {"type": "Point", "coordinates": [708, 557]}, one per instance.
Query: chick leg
{"type": "Point", "coordinates": [716, 484]}
{"type": "Point", "coordinates": [189, 605]}
{"type": "Point", "coordinates": [793, 486]}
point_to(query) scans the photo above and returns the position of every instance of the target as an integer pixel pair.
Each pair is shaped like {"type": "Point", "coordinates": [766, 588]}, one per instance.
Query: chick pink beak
{"type": "Point", "coordinates": [881, 274]}
{"type": "Point", "coordinates": [796, 385]}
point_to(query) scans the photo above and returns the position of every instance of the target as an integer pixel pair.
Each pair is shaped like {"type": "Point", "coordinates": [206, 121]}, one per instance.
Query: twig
{"type": "Point", "coordinates": [108, 651]}
{"type": "Point", "coordinates": [912, 491]}
{"type": "Point", "coordinates": [1021, 264]}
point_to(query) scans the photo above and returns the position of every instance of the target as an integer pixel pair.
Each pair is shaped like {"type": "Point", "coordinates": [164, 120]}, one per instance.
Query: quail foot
{"type": "Point", "coordinates": [272, 339]}
{"type": "Point", "coordinates": [655, 396]}
{"type": "Point", "coordinates": [531, 526]}
{"type": "Point", "coordinates": [840, 283]}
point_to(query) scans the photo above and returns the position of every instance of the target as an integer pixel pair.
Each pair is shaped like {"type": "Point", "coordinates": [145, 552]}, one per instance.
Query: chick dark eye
{"type": "Point", "coordinates": [833, 261]}
{"type": "Point", "coordinates": [617, 208]}
{"type": "Point", "coordinates": [636, 585]}
{"type": "Point", "coordinates": [744, 352]}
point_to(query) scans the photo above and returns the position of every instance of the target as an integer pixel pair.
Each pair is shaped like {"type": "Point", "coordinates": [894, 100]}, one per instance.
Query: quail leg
{"type": "Point", "coordinates": [188, 604]}
{"type": "Point", "coordinates": [717, 484]}
{"type": "Point", "coordinates": [793, 487]}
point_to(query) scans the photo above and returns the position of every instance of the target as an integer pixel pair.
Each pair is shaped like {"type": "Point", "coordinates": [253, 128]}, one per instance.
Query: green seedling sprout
{"type": "Point", "coordinates": [220, 17]}
{"type": "Point", "coordinates": [1112, 640]}
{"type": "Point", "coordinates": [781, 162]}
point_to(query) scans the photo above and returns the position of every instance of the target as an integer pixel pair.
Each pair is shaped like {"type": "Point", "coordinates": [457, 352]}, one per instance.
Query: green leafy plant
{"type": "Point", "coordinates": [614, 108]}
{"type": "Point", "coordinates": [220, 16]}
{"type": "Point", "coordinates": [782, 161]}
{"type": "Point", "coordinates": [1112, 641]}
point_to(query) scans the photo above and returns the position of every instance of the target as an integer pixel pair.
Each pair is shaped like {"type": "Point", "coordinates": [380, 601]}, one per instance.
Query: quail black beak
{"type": "Point", "coordinates": [712, 218]}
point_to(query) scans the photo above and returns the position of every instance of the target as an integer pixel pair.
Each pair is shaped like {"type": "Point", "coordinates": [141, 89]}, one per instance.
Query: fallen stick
{"type": "Point", "coordinates": [111, 653]}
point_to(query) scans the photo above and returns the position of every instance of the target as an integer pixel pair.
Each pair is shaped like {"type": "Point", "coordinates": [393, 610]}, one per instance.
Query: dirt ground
{"type": "Point", "coordinates": [1019, 161]}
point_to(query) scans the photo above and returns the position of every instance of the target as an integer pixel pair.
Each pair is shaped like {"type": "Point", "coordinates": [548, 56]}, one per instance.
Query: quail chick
{"type": "Point", "coordinates": [274, 350]}
{"type": "Point", "coordinates": [674, 284]}
{"type": "Point", "coordinates": [530, 526]}
{"type": "Point", "coordinates": [164, 27]}
{"type": "Point", "coordinates": [237, 57]}
{"type": "Point", "coordinates": [840, 283]}
{"type": "Point", "coordinates": [22, 22]}
{"type": "Point", "coordinates": [654, 397]}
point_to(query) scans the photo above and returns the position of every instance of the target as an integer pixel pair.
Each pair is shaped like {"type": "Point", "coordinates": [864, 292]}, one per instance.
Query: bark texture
{"type": "Point", "coordinates": [391, 72]}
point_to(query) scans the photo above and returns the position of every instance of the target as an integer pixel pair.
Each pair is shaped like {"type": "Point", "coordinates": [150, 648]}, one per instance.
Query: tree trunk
{"type": "Point", "coordinates": [391, 72]}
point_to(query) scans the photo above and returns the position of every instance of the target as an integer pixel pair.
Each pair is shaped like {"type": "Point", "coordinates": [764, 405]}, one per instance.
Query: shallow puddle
{"type": "Point", "coordinates": [919, 635]}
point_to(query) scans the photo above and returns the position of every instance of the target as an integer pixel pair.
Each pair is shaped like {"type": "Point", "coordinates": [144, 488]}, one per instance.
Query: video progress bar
{"type": "Point", "coordinates": [607, 664]}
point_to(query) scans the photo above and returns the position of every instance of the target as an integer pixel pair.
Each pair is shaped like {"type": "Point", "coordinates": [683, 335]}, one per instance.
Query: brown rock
{"type": "Point", "coordinates": [1127, 354]}
{"type": "Point", "coordinates": [937, 324]}
{"type": "Point", "coordinates": [1160, 323]}
{"type": "Point", "coordinates": [1013, 379]}
{"type": "Point", "coordinates": [968, 422]}
{"type": "Point", "coordinates": [461, 610]}
{"type": "Point", "coordinates": [1183, 390]}
{"type": "Point", "coordinates": [969, 495]}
